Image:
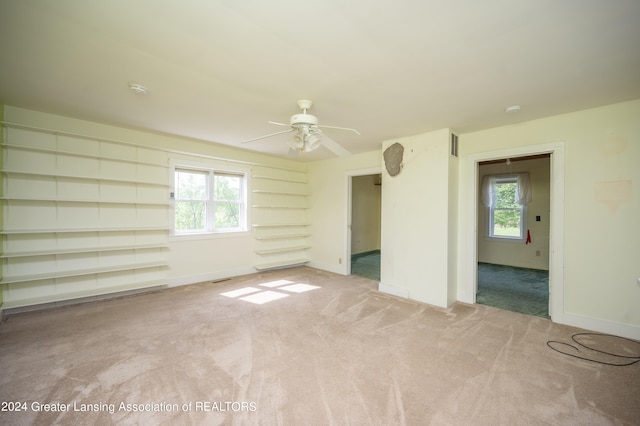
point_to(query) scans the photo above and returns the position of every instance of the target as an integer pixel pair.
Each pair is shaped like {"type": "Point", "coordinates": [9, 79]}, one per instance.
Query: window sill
{"type": "Point", "coordinates": [505, 240]}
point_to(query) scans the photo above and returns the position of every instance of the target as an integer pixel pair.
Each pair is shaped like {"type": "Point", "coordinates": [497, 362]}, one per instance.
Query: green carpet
{"type": "Point", "coordinates": [506, 287]}
{"type": "Point", "coordinates": [515, 289]}
{"type": "Point", "coordinates": [366, 265]}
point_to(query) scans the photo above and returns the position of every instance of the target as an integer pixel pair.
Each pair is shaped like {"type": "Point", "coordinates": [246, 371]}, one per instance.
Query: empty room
{"type": "Point", "coordinates": [280, 213]}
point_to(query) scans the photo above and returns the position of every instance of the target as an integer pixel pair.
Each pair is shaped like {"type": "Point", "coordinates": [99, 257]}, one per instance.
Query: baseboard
{"type": "Point", "coordinates": [629, 331]}
{"type": "Point", "coordinates": [394, 291]}
{"type": "Point", "coordinates": [365, 253]}
{"type": "Point", "coordinates": [336, 269]}
{"type": "Point", "coordinates": [7, 311]}
{"type": "Point", "coordinates": [214, 276]}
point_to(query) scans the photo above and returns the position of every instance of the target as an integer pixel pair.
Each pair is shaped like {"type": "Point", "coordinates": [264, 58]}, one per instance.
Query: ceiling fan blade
{"type": "Point", "coordinates": [334, 147]}
{"type": "Point", "coordinates": [340, 128]}
{"type": "Point", "coordinates": [278, 124]}
{"type": "Point", "coordinates": [268, 136]}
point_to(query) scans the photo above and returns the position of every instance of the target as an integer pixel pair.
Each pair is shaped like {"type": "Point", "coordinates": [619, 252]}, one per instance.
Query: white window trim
{"type": "Point", "coordinates": [210, 167]}
{"type": "Point", "coordinates": [523, 218]}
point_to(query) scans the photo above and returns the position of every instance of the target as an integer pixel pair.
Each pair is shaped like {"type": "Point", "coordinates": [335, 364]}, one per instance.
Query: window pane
{"type": "Point", "coordinates": [227, 215]}
{"type": "Point", "coordinates": [227, 187]}
{"type": "Point", "coordinates": [506, 195]}
{"type": "Point", "coordinates": [191, 185]}
{"type": "Point", "coordinates": [208, 201]}
{"type": "Point", "coordinates": [190, 216]}
{"type": "Point", "coordinates": [506, 223]}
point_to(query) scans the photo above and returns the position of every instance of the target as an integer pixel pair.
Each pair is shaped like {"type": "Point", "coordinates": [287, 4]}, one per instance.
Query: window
{"type": "Point", "coordinates": [209, 201]}
{"type": "Point", "coordinates": [506, 216]}
{"type": "Point", "coordinates": [506, 197]}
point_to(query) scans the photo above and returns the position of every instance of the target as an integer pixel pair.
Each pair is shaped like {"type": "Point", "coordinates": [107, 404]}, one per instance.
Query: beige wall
{"type": "Point", "coordinates": [416, 221]}
{"type": "Point", "coordinates": [365, 213]}
{"type": "Point", "coordinates": [328, 186]}
{"type": "Point", "coordinates": [517, 253]}
{"type": "Point", "coordinates": [602, 207]}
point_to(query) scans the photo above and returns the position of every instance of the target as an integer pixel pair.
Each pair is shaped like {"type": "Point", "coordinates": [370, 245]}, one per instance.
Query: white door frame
{"type": "Point", "coordinates": [349, 174]}
{"type": "Point", "coordinates": [556, 221]}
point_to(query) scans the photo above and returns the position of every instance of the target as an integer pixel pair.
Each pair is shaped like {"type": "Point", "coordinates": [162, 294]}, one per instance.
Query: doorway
{"type": "Point", "coordinates": [365, 195]}
{"type": "Point", "coordinates": [468, 287]}
{"type": "Point", "coordinates": [513, 234]}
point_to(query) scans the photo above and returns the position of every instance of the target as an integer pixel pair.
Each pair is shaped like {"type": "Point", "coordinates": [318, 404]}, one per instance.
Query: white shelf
{"type": "Point", "coordinates": [83, 155]}
{"type": "Point", "coordinates": [280, 198]}
{"type": "Point", "coordinates": [79, 272]}
{"type": "Point", "coordinates": [15, 254]}
{"type": "Point", "coordinates": [281, 264]}
{"type": "Point", "coordinates": [283, 249]}
{"type": "Point", "coordinates": [265, 206]}
{"type": "Point", "coordinates": [280, 179]}
{"type": "Point", "coordinates": [282, 236]}
{"type": "Point", "coordinates": [79, 177]}
{"type": "Point", "coordinates": [60, 200]}
{"type": "Point", "coordinates": [80, 210]}
{"type": "Point", "coordinates": [72, 230]}
{"type": "Point", "coordinates": [294, 194]}
{"type": "Point", "coordinates": [280, 225]}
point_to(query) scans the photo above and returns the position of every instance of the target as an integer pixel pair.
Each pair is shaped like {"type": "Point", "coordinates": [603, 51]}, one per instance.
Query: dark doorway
{"type": "Point", "coordinates": [365, 225]}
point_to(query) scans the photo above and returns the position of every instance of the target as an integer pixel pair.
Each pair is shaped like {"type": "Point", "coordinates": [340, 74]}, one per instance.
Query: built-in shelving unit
{"type": "Point", "coordinates": [279, 212]}
{"type": "Point", "coordinates": [81, 216]}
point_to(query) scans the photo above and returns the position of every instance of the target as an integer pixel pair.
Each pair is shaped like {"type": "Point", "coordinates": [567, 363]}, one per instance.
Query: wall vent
{"type": "Point", "coordinates": [454, 145]}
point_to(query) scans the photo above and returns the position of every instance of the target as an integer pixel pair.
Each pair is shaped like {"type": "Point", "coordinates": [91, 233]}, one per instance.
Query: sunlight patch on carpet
{"type": "Point", "coordinates": [260, 297]}
{"type": "Point", "coordinates": [264, 297]}
{"type": "Point", "coordinates": [240, 292]}
{"type": "Point", "coordinates": [276, 283]}
{"type": "Point", "coordinates": [299, 288]}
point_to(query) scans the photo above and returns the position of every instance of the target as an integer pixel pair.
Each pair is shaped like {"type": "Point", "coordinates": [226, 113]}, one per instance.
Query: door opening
{"type": "Point", "coordinates": [467, 287]}
{"type": "Point", "coordinates": [513, 234]}
{"type": "Point", "coordinates": [364, 224]}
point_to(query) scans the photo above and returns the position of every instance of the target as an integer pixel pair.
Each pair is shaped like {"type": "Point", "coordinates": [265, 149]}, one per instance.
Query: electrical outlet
{"type": "Point", "coordinates": [537, 252]}
{"type": "Point", "coordinates": [339, 261]}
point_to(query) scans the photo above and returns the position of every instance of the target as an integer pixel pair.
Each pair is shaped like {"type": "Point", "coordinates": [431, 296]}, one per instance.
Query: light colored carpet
{"type": "Point", "coordinates": [330, 350]}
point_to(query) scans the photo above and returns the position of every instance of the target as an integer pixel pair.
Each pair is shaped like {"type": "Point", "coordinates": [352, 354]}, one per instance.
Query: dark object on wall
{"type": "Point", "coordinates": [393, 158]}
{"type": "Point", "coordinates": [454, 145]}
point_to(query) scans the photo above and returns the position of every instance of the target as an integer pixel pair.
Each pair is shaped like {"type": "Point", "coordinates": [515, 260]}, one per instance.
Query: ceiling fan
{"type": "Point", "coordinates": [308, 135]}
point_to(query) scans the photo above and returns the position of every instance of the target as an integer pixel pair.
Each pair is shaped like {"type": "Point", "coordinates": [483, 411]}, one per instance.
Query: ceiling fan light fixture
{"type": "Point", "coordinates": [312, 143]}
{"type": "Point", "coordinates": [297, 142]}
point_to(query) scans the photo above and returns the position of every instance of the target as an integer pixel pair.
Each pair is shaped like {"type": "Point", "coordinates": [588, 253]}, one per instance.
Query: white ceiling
{"type": "Point", "coordinates": [220, 70]}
